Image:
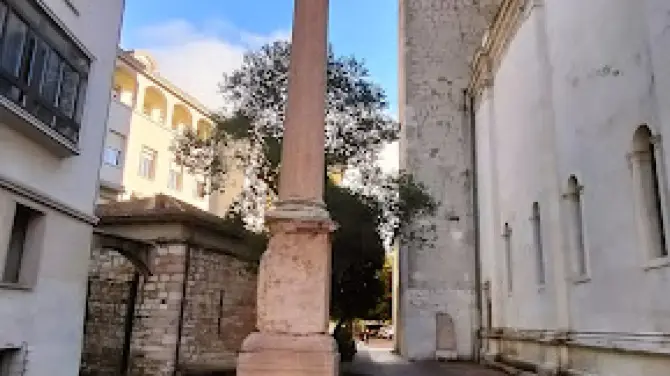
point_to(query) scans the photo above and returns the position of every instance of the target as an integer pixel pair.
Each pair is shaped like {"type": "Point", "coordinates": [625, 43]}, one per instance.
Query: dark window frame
{"type": "Point", "coordinates": [24, 221]}
{"type": "Point", "coordinates": [26, 89]}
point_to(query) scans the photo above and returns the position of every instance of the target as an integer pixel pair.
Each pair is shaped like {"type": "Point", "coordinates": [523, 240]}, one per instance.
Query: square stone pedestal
{"type": "Point", "coordinates": [266, 354]}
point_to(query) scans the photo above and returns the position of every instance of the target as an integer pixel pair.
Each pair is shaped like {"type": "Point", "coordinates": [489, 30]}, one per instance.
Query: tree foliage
{"type": "Point", "coordinates": [357, 123]}
{"type": "Point", "coordinates": [358, 253]}
{"type": "Point", "coordinates": [249, 138]}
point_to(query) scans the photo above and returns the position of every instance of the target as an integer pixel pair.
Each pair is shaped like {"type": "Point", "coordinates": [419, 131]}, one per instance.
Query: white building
{"type": "Point", "coordinates": [557, 248]}
{"type": "Point", "coordinates": [56, 64]}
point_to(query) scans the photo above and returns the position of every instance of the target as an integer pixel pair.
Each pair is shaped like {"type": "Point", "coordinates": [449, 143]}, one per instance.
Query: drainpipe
{"type": "Point", "coordinates": [469, 108]}
{"type": "Point", "coordinates": [182, 307]}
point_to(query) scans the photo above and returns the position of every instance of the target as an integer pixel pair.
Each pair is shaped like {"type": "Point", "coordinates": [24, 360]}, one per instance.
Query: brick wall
{"type": "Point", "coordinates": [109, 290]}
{"type": "Point", "coordinates": [220, 309]}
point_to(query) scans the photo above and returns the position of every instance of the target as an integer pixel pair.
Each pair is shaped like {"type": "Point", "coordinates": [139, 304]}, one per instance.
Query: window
{"type": "Point", "coordinates": [41, 69]}
{"type": "Point", "coordinates": [576, 226]}
{"type": "Point", "coordinates": [175, 177]}
{"type": "Point", "coordinates": [148, 163]}
{"type": "Point", "coordinates": [537, 243]}
{"type": "Point", "coordinates": [114, 146]}
{"type": "Point", "coordinates": [200, 190]}
{"type": "Point", "coordinates": [648, 198]}
{"type": "Point", "coordinates": [10, 362]}
{"type": "Point", "coordinates": [507, 234]}
{"type": "Point", "coordinates": [112, 156]}
{"type": "Point", "coordinates": [24, 222]}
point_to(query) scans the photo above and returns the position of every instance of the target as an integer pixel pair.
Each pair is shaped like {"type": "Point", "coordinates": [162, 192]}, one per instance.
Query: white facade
{"type": "Point", "coordinates": [571, 182]}
{"type": "Point", "coordinates": [49, 176]}
{"type": "Point", "coordinates": [562, 115]}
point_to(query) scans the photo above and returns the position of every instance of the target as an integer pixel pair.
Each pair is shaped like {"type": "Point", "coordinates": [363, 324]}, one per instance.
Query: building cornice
{"type": "Point", "coordinates": [496, 40]}
{"type": "Point", "coordinates": [164, 84]}
{"type": "Point", "coordinates": [46, 200]}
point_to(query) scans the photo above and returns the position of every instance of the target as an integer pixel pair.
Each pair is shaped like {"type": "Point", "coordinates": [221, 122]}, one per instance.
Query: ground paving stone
{"type": "Point", "coordinates": [375, 361]}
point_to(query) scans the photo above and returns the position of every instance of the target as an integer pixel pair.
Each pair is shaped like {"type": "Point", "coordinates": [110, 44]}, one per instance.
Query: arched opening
{"type": "Point", "coordinates": [125, 87]}
{"type": "Point", "coordinates": [181, 118]}
{"type": "Point", "coordinates": [576, 225]}
{"type": "Point", "coordinates": [155, 105]}
{"type": "Point", "coordinates": [204, 129]}
{"type": "Point", "coordinates": [648, 197]}
{"type": "Point", "coordinates": [537, 242]}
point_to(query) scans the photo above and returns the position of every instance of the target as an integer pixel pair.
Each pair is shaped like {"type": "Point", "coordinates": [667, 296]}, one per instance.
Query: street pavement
{"type": "Point", "coordinates": [376, 359]}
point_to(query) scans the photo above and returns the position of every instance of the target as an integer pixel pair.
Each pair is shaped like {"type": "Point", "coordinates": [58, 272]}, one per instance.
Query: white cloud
{"type": "Point", "coordinates": [195, 57]}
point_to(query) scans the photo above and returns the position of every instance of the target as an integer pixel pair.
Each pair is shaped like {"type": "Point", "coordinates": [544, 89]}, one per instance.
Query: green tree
{"type": "Point", "coordinates": [358, 254]}
{"type": "Point", "coordinates": [357, 122]}
{"type": "Point", "coordinates": [357, 126]}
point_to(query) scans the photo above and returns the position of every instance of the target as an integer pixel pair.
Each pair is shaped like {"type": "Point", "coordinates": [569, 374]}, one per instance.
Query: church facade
{"type": "Point", "coordinates": [538, 126]}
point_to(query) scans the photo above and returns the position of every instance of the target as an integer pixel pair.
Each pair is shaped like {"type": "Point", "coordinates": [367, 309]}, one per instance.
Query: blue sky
{"type": "Point", "coordinates": [195, 41]}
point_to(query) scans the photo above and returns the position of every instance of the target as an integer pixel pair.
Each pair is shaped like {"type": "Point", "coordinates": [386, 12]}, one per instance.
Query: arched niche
{"type": "Point", "coordinates": [155, 104]}
{"type": "Point", "coordinates": [181, 117]}
{"type": "Point", "coordinates": [125, 86]}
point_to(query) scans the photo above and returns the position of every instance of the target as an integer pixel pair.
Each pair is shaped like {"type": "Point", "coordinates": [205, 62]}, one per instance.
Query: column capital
{"type": "Point", "coordinates": [300, 215]}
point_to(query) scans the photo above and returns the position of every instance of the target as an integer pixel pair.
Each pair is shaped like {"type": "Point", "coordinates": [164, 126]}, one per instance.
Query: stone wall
{"type": "Point", "coordinates": [577, 104]}
{"type": "Point", "coordinates": [209, 325]}
{"type": "Point", "coordinates": [220, 309]}
{"type": "Point", "coordinates": [437, 41]}
{"type": "Point", "coordinates": [110, 286]}
{"type": "Point", "coordinates": [156, 329]}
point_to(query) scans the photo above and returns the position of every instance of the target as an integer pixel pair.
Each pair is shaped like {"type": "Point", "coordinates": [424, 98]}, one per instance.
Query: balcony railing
{"type": "Point", "coordinates": [42, 71]}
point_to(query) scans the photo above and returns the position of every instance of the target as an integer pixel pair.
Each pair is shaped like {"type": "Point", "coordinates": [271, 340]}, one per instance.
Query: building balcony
{"type": "Point", "coordinates": [43, 77]}
{"type": "Point", "coordinates": [37, 121]}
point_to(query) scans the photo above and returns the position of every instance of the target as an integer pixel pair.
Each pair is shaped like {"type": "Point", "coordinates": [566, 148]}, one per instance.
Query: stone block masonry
{"type": "Point", "coordinates": [437, 300]}
{"type": "Point", "coordinates": [220, 309]}
{"type": "Point", "coordinates": [109, 288]}
{"type": "Point", "coordinates": [186, 312]}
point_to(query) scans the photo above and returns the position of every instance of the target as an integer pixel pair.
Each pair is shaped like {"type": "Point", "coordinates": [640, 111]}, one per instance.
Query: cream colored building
{"type": "Point", "coordinates": [56, 63]}
{"type": "Point", "coordinates": [542, 129]}
{"type": "Point", "coordinates": [146, 113]}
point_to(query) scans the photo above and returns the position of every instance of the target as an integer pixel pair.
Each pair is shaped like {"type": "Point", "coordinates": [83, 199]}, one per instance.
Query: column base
{"type": "Point", "coordinates": [265, 354]}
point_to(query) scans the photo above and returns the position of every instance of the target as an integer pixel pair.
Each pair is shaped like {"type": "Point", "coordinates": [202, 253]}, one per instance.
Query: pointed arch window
{"type": "Point", "coordinates": [648, 193]}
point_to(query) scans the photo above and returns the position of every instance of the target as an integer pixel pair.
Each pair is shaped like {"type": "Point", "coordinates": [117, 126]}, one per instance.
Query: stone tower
{"type": "Point", "coordinates": [438, 310]}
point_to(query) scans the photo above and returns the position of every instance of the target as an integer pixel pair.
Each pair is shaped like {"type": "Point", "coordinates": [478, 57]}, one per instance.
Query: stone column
{"type": "Point", "coordinates": [294, 276]}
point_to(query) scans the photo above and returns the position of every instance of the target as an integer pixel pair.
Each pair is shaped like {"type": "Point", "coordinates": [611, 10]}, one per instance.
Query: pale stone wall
{"type": "Point", "coordinates": [42, 316]}
{"type": "Point", "coordinates": [73, 181]}
{"type": "Point", "coordinates": [568, 92]}
{"type": "Point", "coordinates": [437, 41]}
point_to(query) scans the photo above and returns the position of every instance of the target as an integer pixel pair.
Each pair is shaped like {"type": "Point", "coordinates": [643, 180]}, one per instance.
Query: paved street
{"type": "Point", "coordinates": [378, 361]}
